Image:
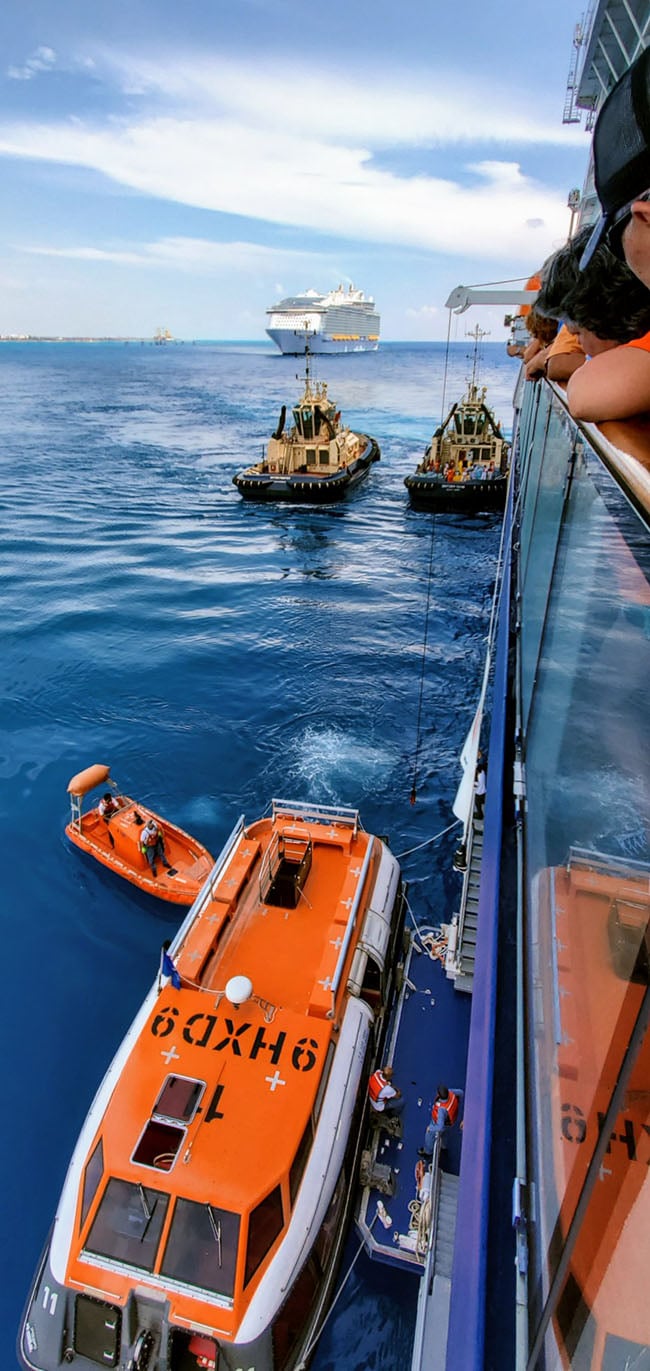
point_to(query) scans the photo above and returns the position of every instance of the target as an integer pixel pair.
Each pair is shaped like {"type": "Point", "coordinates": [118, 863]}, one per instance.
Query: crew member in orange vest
{"type": "Point", "coordinates": [384, 1097]}
{"type": "Point", "coordinates": [443, 1116]}
{"type": "Point", "coordinates": [152, 844]}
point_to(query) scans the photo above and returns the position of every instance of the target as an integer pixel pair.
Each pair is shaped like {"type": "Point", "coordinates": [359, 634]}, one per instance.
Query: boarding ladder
{"type": "Point", "coordinates": [432, 1320]}
{"type": "Point", "coordinates": [460, 964]}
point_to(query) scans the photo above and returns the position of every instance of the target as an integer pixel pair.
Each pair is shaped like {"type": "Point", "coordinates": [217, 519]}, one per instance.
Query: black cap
{"type": "Point", "coordinates": [621, 150]}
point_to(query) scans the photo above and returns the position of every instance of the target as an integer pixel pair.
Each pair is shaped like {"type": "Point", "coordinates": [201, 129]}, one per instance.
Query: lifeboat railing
{"type": "Point", "coordinates": [351, 924]}
{"type": "Point", "coordinates": [313, 813]}
{"type": "Point", "coordinates": [206, 894]}
{"type": "Point", "coordinates": [76, 802]}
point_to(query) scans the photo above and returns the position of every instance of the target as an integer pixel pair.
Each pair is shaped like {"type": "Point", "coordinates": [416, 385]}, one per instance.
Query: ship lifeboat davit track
{"type": "Point", "coordinates": [116, 842]}
{"type": "Point", "coordinates": [205, 1208]}
{"type": "Point", "coordinates": [303, 487]}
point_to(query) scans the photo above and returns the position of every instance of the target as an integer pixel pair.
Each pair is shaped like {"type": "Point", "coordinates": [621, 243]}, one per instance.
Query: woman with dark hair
{"type": "Point", "coordinates": [608, 309]}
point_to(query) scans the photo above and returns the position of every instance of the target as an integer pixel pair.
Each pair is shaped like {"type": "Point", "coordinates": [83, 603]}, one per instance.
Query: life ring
{"type": "Point", "coordinates": [272, 466]}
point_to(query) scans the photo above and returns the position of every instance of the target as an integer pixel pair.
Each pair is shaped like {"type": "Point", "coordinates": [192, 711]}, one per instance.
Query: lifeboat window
{"type": "Point", "coordinates": [371, 988]}
{"type": "Point", "coordinates": [159, 1145]}
{"type": "Point", "coordinates": [310, 455]}
{"type": "Point", "coordinates": [621, 1352]}
{"type": "Point", "coordinates": [264, 1224]}
{"type": "Point", "coordinates": [92, 1176]}
{"type": "Point", "coordinates": [179, 1098]}
{"type": "Point", "coordinates": [290, 1322]}
{"type": "Point", "coordinates": [300, 1162]}
{"type": "Point", "coordinates": [128, 1224]}
{"type": "Point", "coordinates": [201, 1248]}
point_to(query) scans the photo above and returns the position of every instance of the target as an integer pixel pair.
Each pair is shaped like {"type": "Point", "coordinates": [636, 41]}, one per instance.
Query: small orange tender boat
{"type": "Point", "coordinates": [204, 1210]}
{"type": "Point", "coordinates": [115, 840]}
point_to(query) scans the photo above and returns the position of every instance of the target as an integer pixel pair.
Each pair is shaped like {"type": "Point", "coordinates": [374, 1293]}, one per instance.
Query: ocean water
{"type": "Point", "coordinates": [215, 654]}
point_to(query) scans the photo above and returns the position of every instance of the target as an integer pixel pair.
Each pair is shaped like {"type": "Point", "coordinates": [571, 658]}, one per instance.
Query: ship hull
{"type": "Point", "coordinates": [302, 488]}
{"type": "Point", "coordinates": [291, 344]}
{"type": "Point", "coordinates": [427, 491]}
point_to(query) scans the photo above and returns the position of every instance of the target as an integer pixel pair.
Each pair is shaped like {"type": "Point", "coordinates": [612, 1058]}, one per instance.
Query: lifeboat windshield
{"type": "Point", "coordinates": [201, 1249]}
{"type": "Point", "coordinates": [128, 1224]}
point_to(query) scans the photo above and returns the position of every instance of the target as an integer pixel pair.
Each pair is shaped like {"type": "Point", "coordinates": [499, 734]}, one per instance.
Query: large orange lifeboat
{"type": "Point", "coordinates": [205, 1206]}
{"type": "Point", "coordinates": [594, 1066]}
{"type": "Point", "coordinates": [113, 832]}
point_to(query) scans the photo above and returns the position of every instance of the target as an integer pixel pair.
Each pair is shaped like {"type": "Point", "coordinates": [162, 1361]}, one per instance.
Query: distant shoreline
{"type": "Point", "coordinates": [225, 342]}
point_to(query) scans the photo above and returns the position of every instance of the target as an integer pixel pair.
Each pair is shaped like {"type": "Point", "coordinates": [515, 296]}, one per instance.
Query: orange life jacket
{"type": "Point", "coordinates": [149, 839]}
{"type": "Point", "coordinates": [376, 1084]}
{"type": "Point", "coordinates": [450, 1106]}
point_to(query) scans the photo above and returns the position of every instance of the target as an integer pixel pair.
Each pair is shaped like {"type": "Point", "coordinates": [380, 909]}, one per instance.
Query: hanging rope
{"type": "Point", "coordinates": [434, 839]}
{"type": "Point", "coordinates": [444, 374]}
{"type": "Point", "coordinates": [509, 281]}
{"type": "Point", "coordinates": [418, 733]}
{"type": "Point", "coordinates": [418, 730]}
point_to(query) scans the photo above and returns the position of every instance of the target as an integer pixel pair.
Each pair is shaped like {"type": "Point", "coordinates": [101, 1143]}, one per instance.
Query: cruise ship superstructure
{"type": "Point", "coordinates": [344, 320]}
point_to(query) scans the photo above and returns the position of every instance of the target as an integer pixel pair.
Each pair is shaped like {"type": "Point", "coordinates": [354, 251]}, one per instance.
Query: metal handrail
{"type": "Point", "coordinates": [312, 813]}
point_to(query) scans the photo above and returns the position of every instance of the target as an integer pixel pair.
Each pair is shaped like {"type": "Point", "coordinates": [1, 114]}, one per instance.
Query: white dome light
{"type": "Point", "coordinates": [239, 989]}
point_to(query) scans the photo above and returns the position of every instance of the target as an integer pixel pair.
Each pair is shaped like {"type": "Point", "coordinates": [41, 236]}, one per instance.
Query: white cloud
{"type": "Point", "coordinates": [404, 107]}
{"type": "Point", "coordinates": [191, 254]}
{"type": "Point", "coordinates": [42, 59]}
{"type": "Point", "coordinates": [286, 178]}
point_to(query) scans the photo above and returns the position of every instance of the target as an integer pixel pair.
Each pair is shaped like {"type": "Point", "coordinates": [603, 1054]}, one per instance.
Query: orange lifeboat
{"type": "Point", "coordinates": [594, 1065]}
{"type": "Point", "coordinates": [112, 832]}
{"type": "Point", "coordinates": [204, 1212]}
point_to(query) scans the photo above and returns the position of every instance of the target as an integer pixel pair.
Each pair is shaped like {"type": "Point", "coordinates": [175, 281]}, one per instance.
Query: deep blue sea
{"type": "Point", "coordinates": [215, 654]}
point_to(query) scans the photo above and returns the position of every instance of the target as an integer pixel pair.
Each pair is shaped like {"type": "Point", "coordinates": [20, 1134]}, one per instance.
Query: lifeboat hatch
{"type": "Point", "coordinates": [159, 1145]}
{"type": "Point", "coordinates": [192, 1350]}
{"type": "Point", "coordinates": [285, 870]}
{"type": "Point", "coordinates": [97, 1327]}
{"type": "Point", "coordinates": [179, 1098]}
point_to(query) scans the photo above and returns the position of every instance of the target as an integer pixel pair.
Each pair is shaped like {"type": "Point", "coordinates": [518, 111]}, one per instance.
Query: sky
{"type": "Point", "coordinates": [185, 165]}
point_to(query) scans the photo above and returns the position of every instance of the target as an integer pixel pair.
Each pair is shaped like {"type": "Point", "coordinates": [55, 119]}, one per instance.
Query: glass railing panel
{"type": "Point", "coordinates": [540, 528]}
{"type": "Point", "coordinates": [585, 663]}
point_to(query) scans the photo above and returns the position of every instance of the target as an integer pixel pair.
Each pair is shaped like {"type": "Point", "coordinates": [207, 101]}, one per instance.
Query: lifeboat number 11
{"type": "Point", "coordinates": [50, 1299]}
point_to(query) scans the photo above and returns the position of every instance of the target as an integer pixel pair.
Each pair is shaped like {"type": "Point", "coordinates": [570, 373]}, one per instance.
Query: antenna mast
{"type": "Point", "coordinates": [478, 334]}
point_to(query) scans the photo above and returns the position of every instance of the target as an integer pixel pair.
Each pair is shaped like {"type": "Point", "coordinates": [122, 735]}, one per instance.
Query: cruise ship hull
{"type": "Point", "coordinates": [292, 344]}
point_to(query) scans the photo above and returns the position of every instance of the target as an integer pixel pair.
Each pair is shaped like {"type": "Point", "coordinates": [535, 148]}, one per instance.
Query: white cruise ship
{"type": "Point", "coordinates": [342, 321]}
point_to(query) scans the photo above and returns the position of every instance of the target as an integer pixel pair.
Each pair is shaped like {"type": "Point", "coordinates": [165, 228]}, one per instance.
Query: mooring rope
{"type": "Point", "coordinates": [418, 730]}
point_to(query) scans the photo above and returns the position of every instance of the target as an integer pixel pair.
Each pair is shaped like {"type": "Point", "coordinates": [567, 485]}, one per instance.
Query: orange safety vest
{"type": "Point", "coordinates": [149, 839]}
{"type": "Point", "coordinates": [376, 1084]}
{"type": "Point", "coordinates": [450, 1106]}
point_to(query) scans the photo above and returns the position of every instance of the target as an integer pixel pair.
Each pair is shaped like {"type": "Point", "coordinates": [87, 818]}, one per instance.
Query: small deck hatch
{"type": "Point", "coordinates": [286, 868]}
{"type": "Point", "coordinates": [159, 1145]}
{"type": "Point", "coordinates": [178, 1099]}
{"type": "Point", "coordinates": [97, 1330]}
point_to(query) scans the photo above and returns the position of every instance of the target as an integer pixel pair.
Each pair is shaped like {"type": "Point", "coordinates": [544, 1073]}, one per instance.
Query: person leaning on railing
{"type": "Point", "coordinates": [622, 172]}
{"type": "Point", "coordinates": [608, 310]}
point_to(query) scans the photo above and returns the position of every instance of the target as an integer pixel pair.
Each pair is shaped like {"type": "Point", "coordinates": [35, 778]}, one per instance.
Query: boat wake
{"type": "Point", "coordinates": [331, 762]}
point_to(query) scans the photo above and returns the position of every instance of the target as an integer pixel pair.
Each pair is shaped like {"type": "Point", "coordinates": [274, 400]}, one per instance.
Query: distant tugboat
{"type": "Point", "coordinates": [465, 467]}
{"type": "Point", "coordinates": [162, 335]}
{"type": "Point", "coordinates": [317, 461]}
